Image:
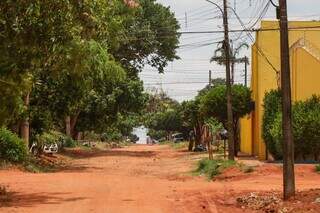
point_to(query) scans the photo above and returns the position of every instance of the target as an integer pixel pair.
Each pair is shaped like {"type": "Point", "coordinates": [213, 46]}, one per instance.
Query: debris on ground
{"type": "Point", "coordinates": [271, 202]}
{"type": "Point", "coordinates": [256, 201]}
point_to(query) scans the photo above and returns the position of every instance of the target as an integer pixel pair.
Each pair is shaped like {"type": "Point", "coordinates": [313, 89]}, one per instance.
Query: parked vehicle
{"type": "Point", "coordinates": [35, 149]}
{"type": "Point", "coordinates": [178, 137]}
{"type": "Point", "coordinates": [200, 148]}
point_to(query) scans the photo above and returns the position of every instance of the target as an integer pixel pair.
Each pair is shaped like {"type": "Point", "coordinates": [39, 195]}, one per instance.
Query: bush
{"type": "Point", "coordinates": [212, 168]}
{"type": "Point", "coordinates": [112, 135]}
{"type": "Point", "coordinates": [318, 168]}
{"type": "Point", "coordinates": [272, 107]}
{"type": "Point", "coordinates": [55, 137]}
{"type": "Point", "coordinates": [306, 132]}
{"type": "Point", "coordinates": [69, 142]}
{"type": "Point", "coordinates": [12, 148]}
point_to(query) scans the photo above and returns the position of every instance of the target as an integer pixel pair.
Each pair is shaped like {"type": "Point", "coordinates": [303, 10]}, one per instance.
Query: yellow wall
{"type": "Point", "coordinates": [246, 135]}
{"type": "Point", "coordinates": [264, 78]}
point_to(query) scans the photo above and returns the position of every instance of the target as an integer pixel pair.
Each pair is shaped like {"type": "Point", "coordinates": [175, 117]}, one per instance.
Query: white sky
{"type": "Point", "coordinates": [196, 50]}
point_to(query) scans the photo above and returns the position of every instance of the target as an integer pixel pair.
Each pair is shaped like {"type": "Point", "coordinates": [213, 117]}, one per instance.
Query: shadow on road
{"type": "Point", "coordinates": [80, 154]}
{"type": "Point", "coordinates": [16, 199]}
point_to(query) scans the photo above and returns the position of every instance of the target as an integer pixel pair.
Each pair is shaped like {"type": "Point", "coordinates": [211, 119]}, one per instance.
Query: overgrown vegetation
{"type": "Point", "coordinates": [214, 104]}
{"type": "Point", "coordinates": [212, 168]}
{"type": "Point", "coordinates": [12, 148]}
{"type": "Point", "coordinates": [306, 122]}
{"type": "Point", "coordinates": [75, 69]}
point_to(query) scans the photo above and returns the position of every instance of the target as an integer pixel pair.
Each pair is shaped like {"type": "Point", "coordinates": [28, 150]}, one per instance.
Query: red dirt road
{"type": "Point", "coordinates": [138, 179]}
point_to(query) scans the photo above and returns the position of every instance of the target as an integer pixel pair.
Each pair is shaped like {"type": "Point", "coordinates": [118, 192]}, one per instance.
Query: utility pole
{"type": "Point", "coordinates": [210, 78]}
{"type": "Point", "coordinates": [288, 145]}
{"type": "Point", "coordinates": [226, 45]}
{"type": "Point", "coordinates": [246, 71]}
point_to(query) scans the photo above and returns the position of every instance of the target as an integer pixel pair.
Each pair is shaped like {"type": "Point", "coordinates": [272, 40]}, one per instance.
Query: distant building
{"type": "Point", "coordinates": [304, 41]}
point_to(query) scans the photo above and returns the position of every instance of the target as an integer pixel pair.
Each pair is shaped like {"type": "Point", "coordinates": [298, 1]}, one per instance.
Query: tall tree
{"type": "Point", "coordinates": [220, 57]}
{"type": "Point", "coordinates": [214, 104]}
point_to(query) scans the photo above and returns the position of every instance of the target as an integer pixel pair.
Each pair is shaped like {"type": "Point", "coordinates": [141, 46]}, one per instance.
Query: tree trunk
{"type": "Point", "coordinates": [197, 136]}
{"type": "Point", "coordinates": [73, 122]}
{"type": "Point", "coordinates": [25, 126]}
{"type": "Point", "coordinates": [68, 125]}
{"type": "Point", "coordinates": [209, 140]}
{"type": "Point", "coordinates": [190, 147]}
{"type": "Point", "coordinates": [191, 141]}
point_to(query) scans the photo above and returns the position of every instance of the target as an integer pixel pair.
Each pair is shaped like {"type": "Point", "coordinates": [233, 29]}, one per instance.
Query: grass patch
{"type": "Point", "coordinates": [212, 168]}
{"type": "Point", "coordinates": [245, 168]}
{"type": "Point", "coordinates": [180, 145]}
{"type": "Point", "coordinates": [318, 168]}
{"type": "Point", "coordinates": [36, 165]}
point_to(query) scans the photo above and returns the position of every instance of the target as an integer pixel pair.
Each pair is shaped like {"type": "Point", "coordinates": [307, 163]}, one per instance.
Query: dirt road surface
{"type": "Point", "coordinates": [136, 179]}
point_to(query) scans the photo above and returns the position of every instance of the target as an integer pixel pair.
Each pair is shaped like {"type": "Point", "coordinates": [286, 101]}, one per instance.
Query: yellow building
{"type": "Point", "coordinates": [304, 41]}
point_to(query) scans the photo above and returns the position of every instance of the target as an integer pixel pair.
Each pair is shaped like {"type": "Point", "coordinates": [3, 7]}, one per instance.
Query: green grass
{"type": "Point", "coordinates": [180, 145]}
{"type": "Point", "coordinates": [34, 166]}
{"type": "Point", "coordinates": [318, 168]}
{"type": "Point", "coordinates": [212, 168]}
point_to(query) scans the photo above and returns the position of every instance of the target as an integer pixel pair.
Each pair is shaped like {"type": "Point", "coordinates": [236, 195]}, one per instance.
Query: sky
{"type": "Point", "coordinates": [183, 78]}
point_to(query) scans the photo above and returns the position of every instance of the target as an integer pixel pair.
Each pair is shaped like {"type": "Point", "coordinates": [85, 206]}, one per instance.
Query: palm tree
{"type": "Point", "coordinates": [220, 57]}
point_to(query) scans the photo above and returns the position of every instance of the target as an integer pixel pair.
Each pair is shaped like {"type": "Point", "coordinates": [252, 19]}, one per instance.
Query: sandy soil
{"type": "Point", "coordinates": [140, 179]}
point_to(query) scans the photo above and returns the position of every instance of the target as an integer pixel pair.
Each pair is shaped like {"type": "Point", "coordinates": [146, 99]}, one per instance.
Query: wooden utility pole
{"type": "Point", "coordinates": [228, 82]}
{"type": "Point", "coordinates": [210, 78]}
{"type": "Point", "coordinates": [288, 146]}
{"type": "Point", "coordinates": [246, 71]}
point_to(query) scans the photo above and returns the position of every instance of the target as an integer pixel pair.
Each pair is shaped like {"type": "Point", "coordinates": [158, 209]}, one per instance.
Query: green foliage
{"type": "Point", "coordinates": [80, 59]}
{"type": "Point", "coordinates": [317, 168]}
{"type": "Point", "coordinates": [214, 125]}
{"type": "Point", "coordinates": [144, 41]}
{"type": "Point", "coordinates": [306, 120]}
{"type": "Point", "coordinates": [214, 103]}
{"type": "Point", "coordinates": [13, 149]}
{"type": "Point", "coordinates": [69, 143]}
{"type": "Point", "coordinates": [157, 134]}
{"type": "Point", "coordinates": [212, 168]}
{"type": "Point", "coordinates": [53, 137]}
{"type": "Point", "coordinates": [168, 121]}
{"type": "Point", "coordinates": [272, 107]}
{"type": "Point", "coordinates": [111, 135]}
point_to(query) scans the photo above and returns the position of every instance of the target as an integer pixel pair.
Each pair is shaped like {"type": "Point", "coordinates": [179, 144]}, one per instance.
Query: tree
{"type": "Point", "coordinates": [169, 121]}
{"type": "Point", "coordinates": [220, 57]}
{"type": "Point", "coordinates": [32, 33]}
{"type": "Point", "coordinates": [214, 104]}
{"type": "Point", "coordinates": [149, 37]}
{"type": "Point", "coordinates": [193, 120]}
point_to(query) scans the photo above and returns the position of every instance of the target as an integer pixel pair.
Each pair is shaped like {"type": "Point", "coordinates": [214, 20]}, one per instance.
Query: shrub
{"type": "Point", "coordinates": [69, 142]}
{"type": "Point", "coordinates": [112, 135]}
{"type": "Point", "coordinates": [272, 106]}
{"type": "Point", "coordinates": [55, 137]}
{"type": "Point", "coordinates": [318, 168]}
{"type": "Point", "coordinates": [212, 168]}
{"type": "Point", "coordinates": [306, 132]}
{"type": "Point", "coordinates": [12, 148]}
